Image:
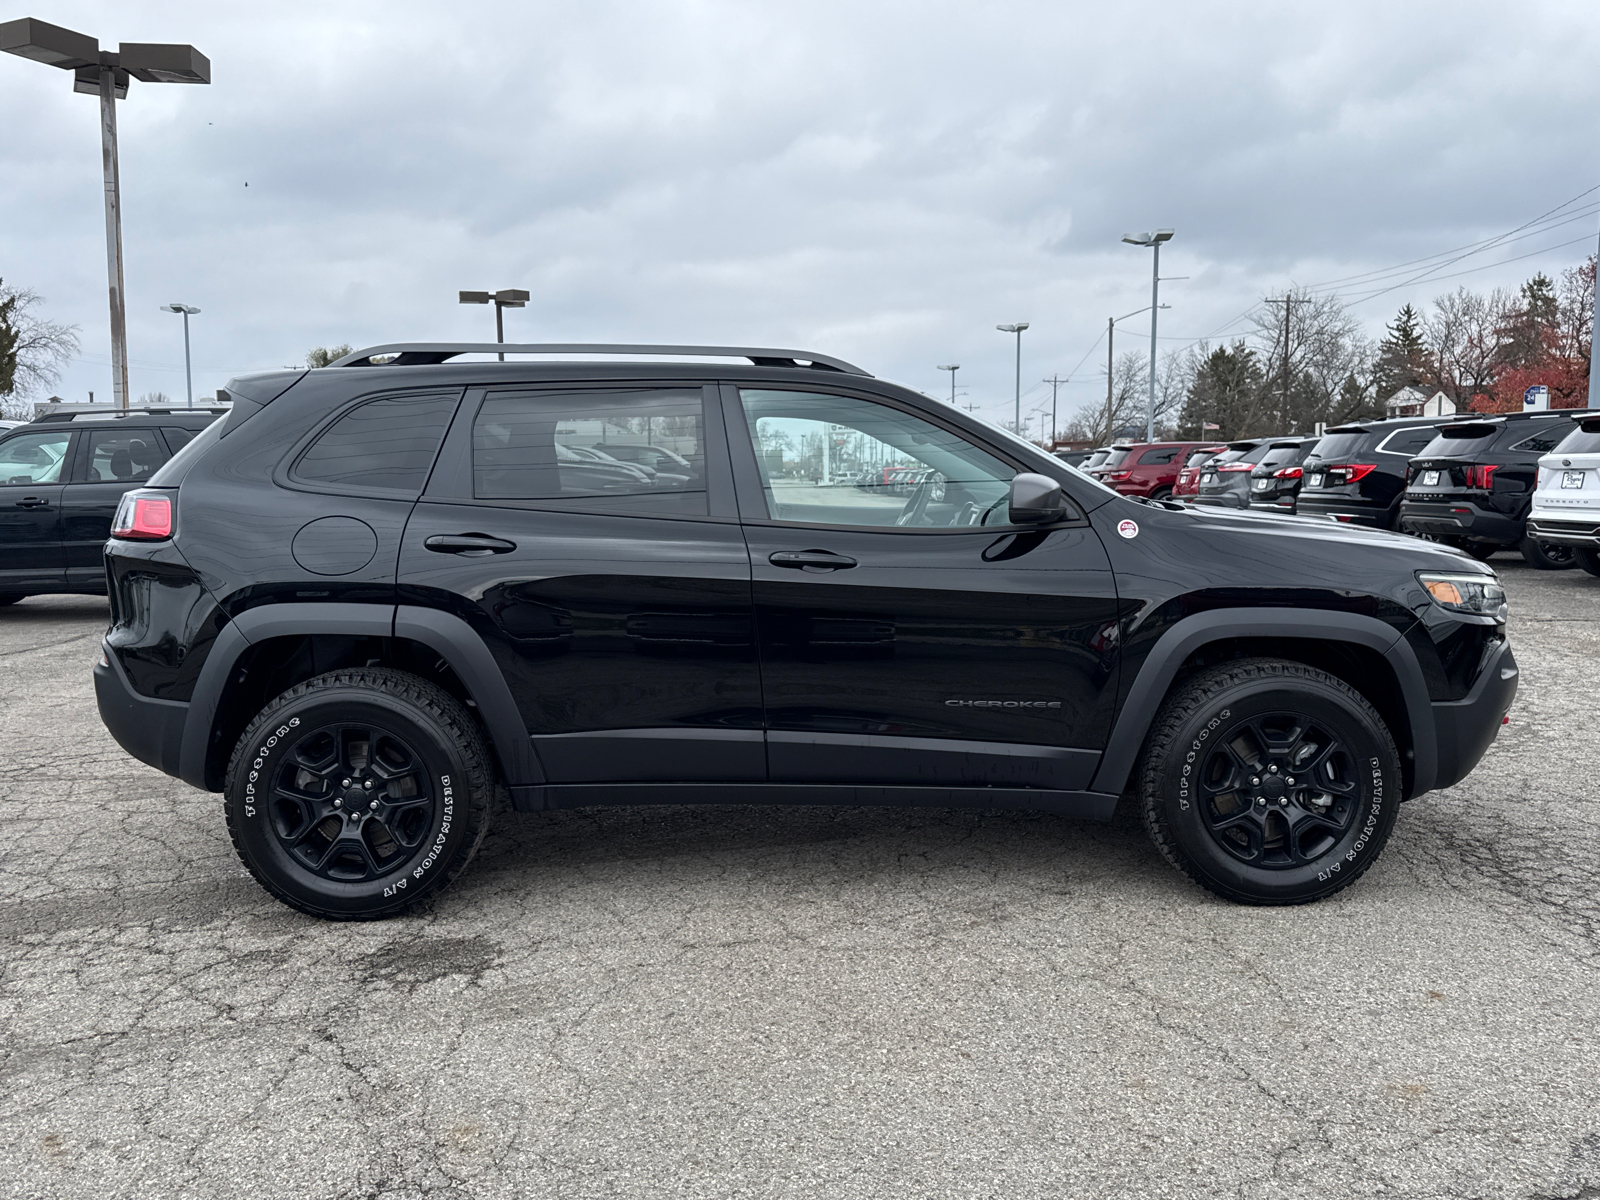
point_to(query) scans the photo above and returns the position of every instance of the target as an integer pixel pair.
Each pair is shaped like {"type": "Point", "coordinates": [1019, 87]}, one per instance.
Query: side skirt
{"type": "Point", "coordinates": [1087, 806]}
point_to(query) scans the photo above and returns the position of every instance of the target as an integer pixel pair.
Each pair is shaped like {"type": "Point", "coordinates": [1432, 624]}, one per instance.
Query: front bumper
{"type": "Point", "coordinates": [1459, 519]}
{"type": "Point", "coordinates": [1565, 531]}
{"type": "Point", "coordinates": [1464, 729]}
{"type": "Point", "coordinates": [149, 729]}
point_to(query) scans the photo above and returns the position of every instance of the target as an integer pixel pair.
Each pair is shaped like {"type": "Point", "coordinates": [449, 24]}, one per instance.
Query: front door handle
{"type": "Point", "coordinates": [32, 502]}
{"type": "Point", "coordinates": [811, 560]}
{"type": "Point", "coordinates": [468, 543]}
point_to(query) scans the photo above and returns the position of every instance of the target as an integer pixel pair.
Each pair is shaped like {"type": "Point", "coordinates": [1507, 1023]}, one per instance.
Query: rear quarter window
{"type": "Point", "coordinates": [1545, 440]}
{"type": "Point", "coordinates": [1409, 442]}
{"type": "Point", "coordinates": [387, 444]}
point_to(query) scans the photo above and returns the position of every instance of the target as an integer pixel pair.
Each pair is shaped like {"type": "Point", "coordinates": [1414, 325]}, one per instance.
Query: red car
{"type": "Point", "coordinates": [1188, 485]}
{"type": "Point", "coordinates": [1148, 469]}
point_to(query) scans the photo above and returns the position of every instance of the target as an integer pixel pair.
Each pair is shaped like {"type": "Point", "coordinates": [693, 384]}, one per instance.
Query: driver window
{"type": "Point", "coordinates": [836, 460]}
{"type": "Point", "coordinates": [34, 458]}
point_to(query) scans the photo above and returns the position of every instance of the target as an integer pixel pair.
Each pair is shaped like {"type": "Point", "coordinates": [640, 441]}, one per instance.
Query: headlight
{"type": "Point", "coordinates": [1480, 595]}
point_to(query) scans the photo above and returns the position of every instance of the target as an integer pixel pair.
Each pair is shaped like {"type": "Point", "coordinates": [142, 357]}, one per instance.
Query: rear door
{"type": "Point", "coordinates": [32, 467]}
{"type": "Point", "coordinates": [914, 637]}
{"type": "Point", "coordinates": [109, 462]}
{"type": "Point", "coordinates": [615, 597]}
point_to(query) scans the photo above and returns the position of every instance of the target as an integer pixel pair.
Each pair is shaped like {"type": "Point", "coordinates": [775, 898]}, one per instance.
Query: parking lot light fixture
{"type": "Point", "coordinates": [106, 74]}
{"type": "Point", "coordinates": [1152, 239]}
{"type": "Point", "coordinates": [503, 299]}
{"type": "Point", "coordinates": [1016, 419]}
{"type": "Point", "coordinates": [952, 368]}
{"type": "Point", "coordinates": [188, 310]}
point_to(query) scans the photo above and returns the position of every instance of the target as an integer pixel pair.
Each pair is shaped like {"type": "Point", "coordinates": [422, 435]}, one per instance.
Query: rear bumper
{"type": "Point", "coordinates": [1349, 510]}
{"type": "Point", "coordinates": [1564, 531]}
{"type": "Point", "coordinates": [1459, 519]}
{"type": "Point", "coordinates": [1223, 500]}
{"type": "Point", "coordinates": [1464, 729]}
{"type": "Point", "coordinates": [1283, 504]}
{"type": "Point", "coordinates": [149, 729]}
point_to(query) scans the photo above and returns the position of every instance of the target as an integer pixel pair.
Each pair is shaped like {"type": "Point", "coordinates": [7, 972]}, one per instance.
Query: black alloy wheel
{"type": "Point", "coordinates": [357, 793]}
{"type": "Point", "coordinates": [1269, 782]}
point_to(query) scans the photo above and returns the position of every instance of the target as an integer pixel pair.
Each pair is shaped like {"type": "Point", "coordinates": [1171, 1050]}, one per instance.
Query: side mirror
{"type": "Point", "coordinates": [1036, 499]}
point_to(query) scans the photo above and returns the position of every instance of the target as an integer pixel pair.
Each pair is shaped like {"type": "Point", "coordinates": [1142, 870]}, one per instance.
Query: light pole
{"type": "Point", "coordinates": [952, 368]}
{"type": "Point", "coordinates": [503, 299]}
{"type": "Point", "coordinates": [188, 310]}
{"type": "Point", "coordinates": [1111, 338]}
{"type": "Point", "coordinates": [1153, 240]}
{"type": "Point", "coordinates": [100, 72]}
{"type": "Point", "coordinates": [1016, 329]}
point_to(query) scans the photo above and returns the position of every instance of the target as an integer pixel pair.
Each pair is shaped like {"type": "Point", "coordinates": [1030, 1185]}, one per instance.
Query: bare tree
{"type": "Point", "coordinates": [1130, 400]}
{"type": "Point", "coordinates": [1305, 378]}
{"type": "Point", "coordinates": [1464, 334]}
{"type": "Point", "coordinates": [32, 350]}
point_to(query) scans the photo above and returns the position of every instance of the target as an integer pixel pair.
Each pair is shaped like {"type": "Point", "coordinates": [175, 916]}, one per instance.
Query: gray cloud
{"type": "Point", "coordinates": [884, 182]}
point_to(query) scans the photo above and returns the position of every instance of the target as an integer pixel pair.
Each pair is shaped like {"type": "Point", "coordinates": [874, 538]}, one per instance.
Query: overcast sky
{"type": "Point", "coordinates": [879, 181]}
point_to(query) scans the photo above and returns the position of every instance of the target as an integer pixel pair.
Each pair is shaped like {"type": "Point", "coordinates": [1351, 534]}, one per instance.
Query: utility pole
{"type": "Point", "coordinates": [1054, 384]}
{"type": "Point", "coordinates": [1288, 302]}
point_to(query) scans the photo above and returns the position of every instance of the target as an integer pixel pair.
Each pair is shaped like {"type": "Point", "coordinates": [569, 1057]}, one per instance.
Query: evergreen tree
{"type": "Point", "coordinates": [1226, 391]}
{"type": "Point", "coordinates": [1403, 358]}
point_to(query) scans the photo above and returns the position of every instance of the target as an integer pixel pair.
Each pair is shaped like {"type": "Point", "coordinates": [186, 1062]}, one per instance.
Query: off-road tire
{"type": "Point", "coordinates": [1196, 722]}
{"type": "Point", "coordinates": [449, 760]}
{"type": "Point", "coordinates": [1586, 558]}
{"type": "Point", "coordinates": [1544, 557]}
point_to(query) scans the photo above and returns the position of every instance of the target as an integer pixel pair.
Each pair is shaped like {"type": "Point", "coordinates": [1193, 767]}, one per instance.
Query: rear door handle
{"type": "Point", "coordinates": [811, 560]}
{"type": "Point", "coordinates": [32, 502]}
{"type": "Point", "coordinates": [468, 543]}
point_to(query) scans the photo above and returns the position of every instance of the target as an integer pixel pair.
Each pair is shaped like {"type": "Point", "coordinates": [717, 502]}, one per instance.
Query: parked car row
{"type": "Point", "coordinates": [1476, 482]}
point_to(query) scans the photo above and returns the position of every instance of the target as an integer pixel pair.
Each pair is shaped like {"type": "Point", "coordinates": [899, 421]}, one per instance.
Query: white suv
{"type": "Point", "coordinates": [1566, 504]}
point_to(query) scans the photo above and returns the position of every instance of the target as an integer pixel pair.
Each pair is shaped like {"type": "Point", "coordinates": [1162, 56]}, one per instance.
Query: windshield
{"type": "Point", "coordinates": [1454, 440]}
{"type": "Point", "coordinates": [1338, 446]}
{"type": "Point", "coordinates": [1115, 456]}
{"type": "Point", "coordinates": [1244, 452]}
{"type": "Point", "coordinates": [1197, 457]}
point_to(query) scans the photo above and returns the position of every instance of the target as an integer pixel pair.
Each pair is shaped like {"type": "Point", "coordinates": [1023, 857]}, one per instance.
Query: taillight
{"type": "Point", "coordinates": [1480, 476]}
{"type": "Point", "coordinates": [1287, 473]}
{"type": "Point", "coordinates": [1116, 475]}
{"type": "Point", "coordinates": [1353, 471]}
{"type": "Point", "coordinates": [143, 517]}
{"type": "Point", "coordinates": [1237, 467]}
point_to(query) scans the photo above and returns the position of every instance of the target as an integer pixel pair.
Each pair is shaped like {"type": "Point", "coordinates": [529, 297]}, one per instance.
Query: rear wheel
{"type": "Point", "coordinates": [1161, 493]}
{"type": "Point", "coordinates": [358, 793]}
{"type": "Point", "coordinates": [1544, 556]}
{"type": "Point", "coordinates": [1589, 560]}
{"type": "Point", "coordinates": [1269, 782]}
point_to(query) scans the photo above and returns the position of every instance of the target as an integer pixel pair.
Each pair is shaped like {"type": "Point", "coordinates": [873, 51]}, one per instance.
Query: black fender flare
{"type": "Point", "coordinates": [452, 638]}
{"type": "Point", "coordinates": [1190, 634]}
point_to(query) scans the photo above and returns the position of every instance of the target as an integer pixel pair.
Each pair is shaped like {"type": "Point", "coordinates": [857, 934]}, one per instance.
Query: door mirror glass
{"type": "Point", "coordinates": [1036, 499]}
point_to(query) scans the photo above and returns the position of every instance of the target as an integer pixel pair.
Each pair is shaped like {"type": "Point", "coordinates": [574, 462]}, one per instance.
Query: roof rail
{"type": "Point", "coordinates": [77, 412]}
{"type": "Point", "coordinates": [410, 354]}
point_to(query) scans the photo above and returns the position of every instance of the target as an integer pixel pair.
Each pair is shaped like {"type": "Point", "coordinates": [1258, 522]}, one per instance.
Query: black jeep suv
{"type": "Point", "coordinates": [1473, 484]}
{"type": "Point", "coordinates": [376, 597]}
{"type": "Point", "coordinates": [62, 476]}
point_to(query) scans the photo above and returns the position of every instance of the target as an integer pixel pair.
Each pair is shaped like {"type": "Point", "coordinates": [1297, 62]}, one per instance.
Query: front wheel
{"type": "Point", "coordinates": [1269, 782]}
{"type": "Point", "coordinates": [357, 793]}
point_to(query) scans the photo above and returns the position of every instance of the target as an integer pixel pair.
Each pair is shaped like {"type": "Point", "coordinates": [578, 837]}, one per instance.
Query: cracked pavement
{"type": "Point", "coordinates": [757, 1002]}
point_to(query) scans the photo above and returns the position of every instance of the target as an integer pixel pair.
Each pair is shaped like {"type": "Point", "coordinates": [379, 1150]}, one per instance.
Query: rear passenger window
{"type": "Point", "coordinates": [124, 455]}
{"type": "Point", "coordinates": [1157, 457]}
{"type": "Point", "coordinates": [612, 451]}
{"type": "Point", "coordinates": [383, 445]}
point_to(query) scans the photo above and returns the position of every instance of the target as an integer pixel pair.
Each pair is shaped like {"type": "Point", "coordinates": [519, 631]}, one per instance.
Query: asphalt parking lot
{"type": "Point", "coordinates": [808, 1002]}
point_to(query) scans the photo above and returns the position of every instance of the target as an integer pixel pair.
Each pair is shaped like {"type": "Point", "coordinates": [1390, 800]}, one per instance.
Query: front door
{"type": "Point", "coordinates": [612, 589]}
{"type": "Point", "coordinates": [909, 635]}
{"type": "Point", "coordinates": [31, 470]}
{"type": "Point", "coordinates": [111, 462]}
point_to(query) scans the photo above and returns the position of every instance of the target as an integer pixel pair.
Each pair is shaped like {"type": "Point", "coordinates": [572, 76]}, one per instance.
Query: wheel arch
{"type": "Point", "coordinates": [1368, 654]}
{"type": "Point", "coordinates": [267, 650]}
